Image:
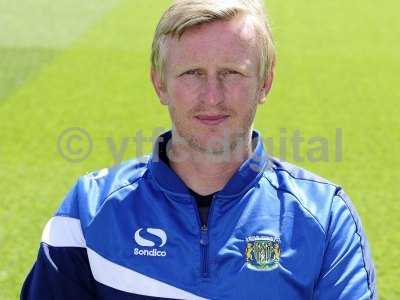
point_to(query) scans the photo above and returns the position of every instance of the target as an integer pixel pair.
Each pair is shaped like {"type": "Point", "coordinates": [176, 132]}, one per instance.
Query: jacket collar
{"type": "Point", "coordinates": [242, 180]}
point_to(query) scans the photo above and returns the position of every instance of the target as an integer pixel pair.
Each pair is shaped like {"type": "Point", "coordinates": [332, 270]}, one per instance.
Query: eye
{"type": "Point", "coordinates": [230, 72]}
{"type": "Point", "coordinates": [194, 72]}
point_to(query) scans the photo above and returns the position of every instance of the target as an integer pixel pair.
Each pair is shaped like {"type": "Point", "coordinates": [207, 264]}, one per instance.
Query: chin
{"type": "Point", "coordinates": [217, 143]}
{"type": "Point", "coordinates": [208, 138]}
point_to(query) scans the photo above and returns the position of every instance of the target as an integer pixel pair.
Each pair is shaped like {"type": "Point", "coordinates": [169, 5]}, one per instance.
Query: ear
{"type": "Point", "coordinates": [159, 86]}
{"type": "Point", "coordinates": [266, 87]}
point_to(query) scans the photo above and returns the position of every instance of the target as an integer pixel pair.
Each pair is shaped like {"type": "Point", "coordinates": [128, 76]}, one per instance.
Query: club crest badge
{"type": "Point", "coordinates": [262, 253]}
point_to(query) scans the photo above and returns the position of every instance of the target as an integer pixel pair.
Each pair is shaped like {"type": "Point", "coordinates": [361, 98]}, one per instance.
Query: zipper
{"type": "Point", "coordinates": [204, 239]}
{"type": "Point", "coordinates": [204, 250]}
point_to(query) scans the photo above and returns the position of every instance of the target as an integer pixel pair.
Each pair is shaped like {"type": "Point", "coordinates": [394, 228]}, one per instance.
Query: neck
{"type": "Point", "coordinates": [207, 172]}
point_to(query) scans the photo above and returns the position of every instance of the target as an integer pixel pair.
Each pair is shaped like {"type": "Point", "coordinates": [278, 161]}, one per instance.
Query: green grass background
{"type": "Point", "coordinates": [85, 64]}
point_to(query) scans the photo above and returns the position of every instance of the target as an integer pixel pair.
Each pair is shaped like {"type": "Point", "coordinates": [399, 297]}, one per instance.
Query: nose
{"type": "Point", "coordinates": [213, 91]}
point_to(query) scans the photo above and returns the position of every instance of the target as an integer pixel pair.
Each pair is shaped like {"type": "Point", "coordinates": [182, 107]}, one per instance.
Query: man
{"type": "Point", "coordinates": [208, 215]}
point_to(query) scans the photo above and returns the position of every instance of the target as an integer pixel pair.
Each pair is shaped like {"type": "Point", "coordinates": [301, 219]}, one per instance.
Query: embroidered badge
{"type": "Point", "coordinates": [263, 253]}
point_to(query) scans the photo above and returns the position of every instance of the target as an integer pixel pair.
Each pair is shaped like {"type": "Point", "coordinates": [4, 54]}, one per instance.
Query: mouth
{"type": "Point", "coordinates": [211, 119]}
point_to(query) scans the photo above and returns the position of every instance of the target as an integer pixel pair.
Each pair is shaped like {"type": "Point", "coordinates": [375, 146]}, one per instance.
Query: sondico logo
{"type": "Point", "coordinates": [149, 243]}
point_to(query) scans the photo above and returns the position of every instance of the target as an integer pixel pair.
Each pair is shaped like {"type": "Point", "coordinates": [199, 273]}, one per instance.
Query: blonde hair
{"type": "Point", "coordinates": [183, 14]}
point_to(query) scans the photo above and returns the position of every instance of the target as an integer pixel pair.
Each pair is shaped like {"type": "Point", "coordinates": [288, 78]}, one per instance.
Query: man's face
{"type": "Point", "coordinates": [212, 84]}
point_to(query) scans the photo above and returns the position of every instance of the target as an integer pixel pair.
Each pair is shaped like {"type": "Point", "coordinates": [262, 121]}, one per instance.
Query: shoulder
{"type": "Point", "coordinates": [108, 181]}
{"type": "Point", "coordinates": [92, 190]}
{"type": "Point", "coordinates": [311, 193]}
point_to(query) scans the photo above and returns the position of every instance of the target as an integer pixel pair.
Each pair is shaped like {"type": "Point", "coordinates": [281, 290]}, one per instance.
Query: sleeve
{"type": "Point", "coordinates": [62, 269]}
{"type": "Point", "coordinates": [347, 272]}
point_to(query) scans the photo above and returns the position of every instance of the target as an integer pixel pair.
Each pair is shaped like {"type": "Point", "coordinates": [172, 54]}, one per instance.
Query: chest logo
{"type": "Point", "coordinates": [151, 248]}
{"type": "Point", "coordinates": [263, 253]}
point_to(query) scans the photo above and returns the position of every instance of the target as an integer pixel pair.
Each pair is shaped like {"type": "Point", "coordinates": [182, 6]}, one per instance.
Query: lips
{"type": "Point", "coordinates": [211, 119]}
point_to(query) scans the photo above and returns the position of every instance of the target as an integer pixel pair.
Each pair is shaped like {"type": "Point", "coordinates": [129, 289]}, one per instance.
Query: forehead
{"type": "Point", "coordinates": [220, 41]}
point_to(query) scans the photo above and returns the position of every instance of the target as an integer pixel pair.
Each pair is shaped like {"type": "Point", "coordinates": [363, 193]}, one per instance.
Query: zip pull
{"type": "Point", "coordinates": [204, 235]}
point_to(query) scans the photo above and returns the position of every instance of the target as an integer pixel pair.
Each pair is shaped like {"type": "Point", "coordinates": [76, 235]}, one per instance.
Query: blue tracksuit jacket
{"type": "Point", "coordinates": [133, 231]}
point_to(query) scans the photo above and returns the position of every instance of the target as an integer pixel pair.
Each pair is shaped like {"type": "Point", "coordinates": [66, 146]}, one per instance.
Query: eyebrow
{"type": "Point", "coordinates": [229, 66]}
